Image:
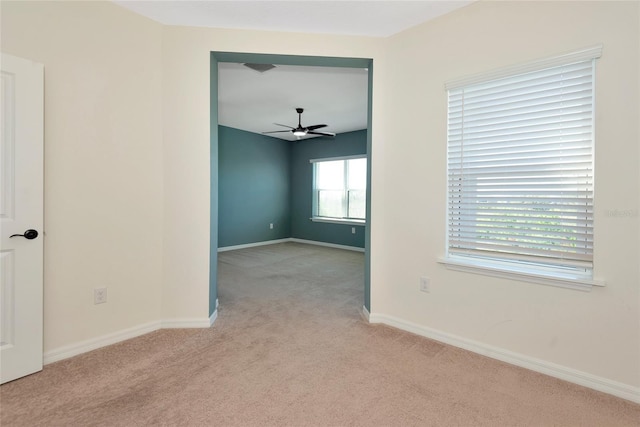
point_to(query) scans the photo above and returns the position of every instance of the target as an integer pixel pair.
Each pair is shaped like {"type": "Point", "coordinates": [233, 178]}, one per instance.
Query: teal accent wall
{"type": "Point", "coordinates": [213, 207]}
{"type": "Point", "coordinates": [344, 144]}
{"type": "Point", "coordinates": [253, 188]}
{"type": "Point", "coordinates": [367, 233]}
{"type": "Point", "coordinates": [265, 180]}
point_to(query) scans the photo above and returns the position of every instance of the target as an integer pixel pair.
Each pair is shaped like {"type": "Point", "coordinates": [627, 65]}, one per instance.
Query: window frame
{"type": "Point", "coordinates": [519, 270]}
{"type": "Point", "coordinates": [345, 192]}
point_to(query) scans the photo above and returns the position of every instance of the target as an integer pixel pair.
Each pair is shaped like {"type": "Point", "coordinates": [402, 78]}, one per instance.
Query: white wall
{"type": "Point", "coordinates": [597, 332]}
{"type": "Point", "coordinates": [103, 162]}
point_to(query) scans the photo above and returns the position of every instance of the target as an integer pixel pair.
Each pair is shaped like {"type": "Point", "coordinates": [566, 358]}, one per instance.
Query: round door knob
{"type": "Point", "coordinates": [29, 235]}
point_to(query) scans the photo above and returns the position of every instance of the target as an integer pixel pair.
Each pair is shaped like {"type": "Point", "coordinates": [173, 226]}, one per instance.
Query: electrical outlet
{"type": "Point", "coordinates": [271, 226]}
{"type": "Point", "coordinates": [353, 230]}
{"type": "Point", "coordinates": [425, 284]}
{"type": "Point", "coordinates": [99, 296]}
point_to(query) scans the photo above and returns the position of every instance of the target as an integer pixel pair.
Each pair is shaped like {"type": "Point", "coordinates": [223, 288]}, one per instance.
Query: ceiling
{"type": "Point", "coordinates": [253, 101]}
{"type": "Point", "coordinates": [375, 18]}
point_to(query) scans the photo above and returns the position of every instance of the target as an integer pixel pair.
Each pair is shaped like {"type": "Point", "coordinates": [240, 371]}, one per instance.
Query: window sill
{"type": "Point", "coordinates": [551, 279]}
{"type": "Point", "coordinates": [338, 220]}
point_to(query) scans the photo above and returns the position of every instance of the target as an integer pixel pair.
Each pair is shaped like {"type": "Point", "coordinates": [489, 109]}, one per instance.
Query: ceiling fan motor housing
{"type": "Point", "coordinates": [302, 131]}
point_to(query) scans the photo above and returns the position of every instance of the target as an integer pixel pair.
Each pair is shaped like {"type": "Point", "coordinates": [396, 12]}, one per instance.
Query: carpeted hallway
{"type": "Point", "coordinates": [290, 348]}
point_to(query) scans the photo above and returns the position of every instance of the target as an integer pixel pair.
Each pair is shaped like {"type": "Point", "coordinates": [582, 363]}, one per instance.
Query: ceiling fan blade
{"type": "Point", "coordinates": [331, 134]}
{"type": "Point", "coordinates": [276, 131]}
{"type": "Point", "coordinates": [314, 127]}
{"type": "Point", "coordinates": [286, 126]}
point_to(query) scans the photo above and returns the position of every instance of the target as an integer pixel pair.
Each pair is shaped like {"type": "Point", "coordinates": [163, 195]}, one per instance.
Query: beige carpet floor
{"type": "Point", "coordinates": [290, 348]}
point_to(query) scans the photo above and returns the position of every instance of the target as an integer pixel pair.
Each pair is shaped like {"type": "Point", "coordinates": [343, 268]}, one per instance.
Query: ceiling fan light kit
{"type": "Point", "coordinates": [301, 131]}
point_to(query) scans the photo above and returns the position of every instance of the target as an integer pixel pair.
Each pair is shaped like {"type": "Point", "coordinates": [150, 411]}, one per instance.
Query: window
{"type": "Point", "coordinates": [520, 169]}
{"type": "Point", "coordinates": [340, 188]}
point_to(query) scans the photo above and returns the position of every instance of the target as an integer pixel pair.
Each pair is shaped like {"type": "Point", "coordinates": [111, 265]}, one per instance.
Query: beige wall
{"type": "Point", "coordinates": [127, 158]}
{"type": "Point", "coordinates": [103, 162]}
{"type": "Point", "coordinates": [596, 332]}
{"type": "Point", "coordinates": [186, 53]}
{"type": "Point", "coordinates": [127, 146]}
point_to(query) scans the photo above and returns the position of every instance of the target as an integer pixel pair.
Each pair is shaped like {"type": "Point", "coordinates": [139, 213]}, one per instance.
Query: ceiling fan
{"type": "Point", "coordinates": [303, 131]}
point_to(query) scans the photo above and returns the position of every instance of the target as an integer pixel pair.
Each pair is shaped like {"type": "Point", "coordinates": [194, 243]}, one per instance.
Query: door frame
{"type": "Point", "coordinates": [299, 60]}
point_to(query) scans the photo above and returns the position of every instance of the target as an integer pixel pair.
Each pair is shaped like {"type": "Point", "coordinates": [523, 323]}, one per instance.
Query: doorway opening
{"type": "Point", "coordinates": [283, 60]}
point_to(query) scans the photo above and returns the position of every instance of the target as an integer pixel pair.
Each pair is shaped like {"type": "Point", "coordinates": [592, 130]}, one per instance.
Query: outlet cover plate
{"type": "Point", "coordinates": [425, 284]}
{"type": "Point", "coordinates": [100, 295]}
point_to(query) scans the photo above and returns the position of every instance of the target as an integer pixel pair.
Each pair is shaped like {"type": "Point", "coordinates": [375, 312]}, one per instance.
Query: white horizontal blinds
{"type": "Point", "coordinates": [520, 167]}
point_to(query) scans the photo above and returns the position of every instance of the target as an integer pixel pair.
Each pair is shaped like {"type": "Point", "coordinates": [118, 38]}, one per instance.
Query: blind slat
{"type": "Point", "coordinates": [520, 167]}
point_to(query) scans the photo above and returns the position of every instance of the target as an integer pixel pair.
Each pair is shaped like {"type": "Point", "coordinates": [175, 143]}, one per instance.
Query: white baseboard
{"type": "Point", "coordinates": [365, 313]}
{"type": "Point", "coordinates": [328, 245]}
{"type": "Point", "coordinates": [253, 245]}
{"type": "Point", "coordinates": [71, 350]}
{"type": "Point", "coordinates": [290, 239]}
{"type": "Point", "coordinates": [214, 315]}
{"type": "Point", "coordinates": [187, 323]}
{"type": "Point", "coordinates": [604, 385]}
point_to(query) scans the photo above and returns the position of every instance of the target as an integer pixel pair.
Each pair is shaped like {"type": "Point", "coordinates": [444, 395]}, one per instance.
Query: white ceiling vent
{"type": "Point", "coordinates": [260, 67]}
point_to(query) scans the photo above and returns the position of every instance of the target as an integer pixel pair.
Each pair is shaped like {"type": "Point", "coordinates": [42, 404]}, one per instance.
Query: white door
{"type": "Point", "coordinates": [21, 217]}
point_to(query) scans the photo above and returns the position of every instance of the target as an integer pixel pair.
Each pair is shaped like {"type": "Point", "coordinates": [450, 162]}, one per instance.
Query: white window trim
{"type": "Point", "coordinates": [502, 270]}
{"type": "Point", "coordinates": [331, 220]}
{"type": "Point", "coordinates": [360, 222]}
{"type": "Point", "coordinates": [508, 270]}
{"type": "Point", "coordinates": [331, 159]}
{"type": "Point", "coordinates": [593, 52]}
